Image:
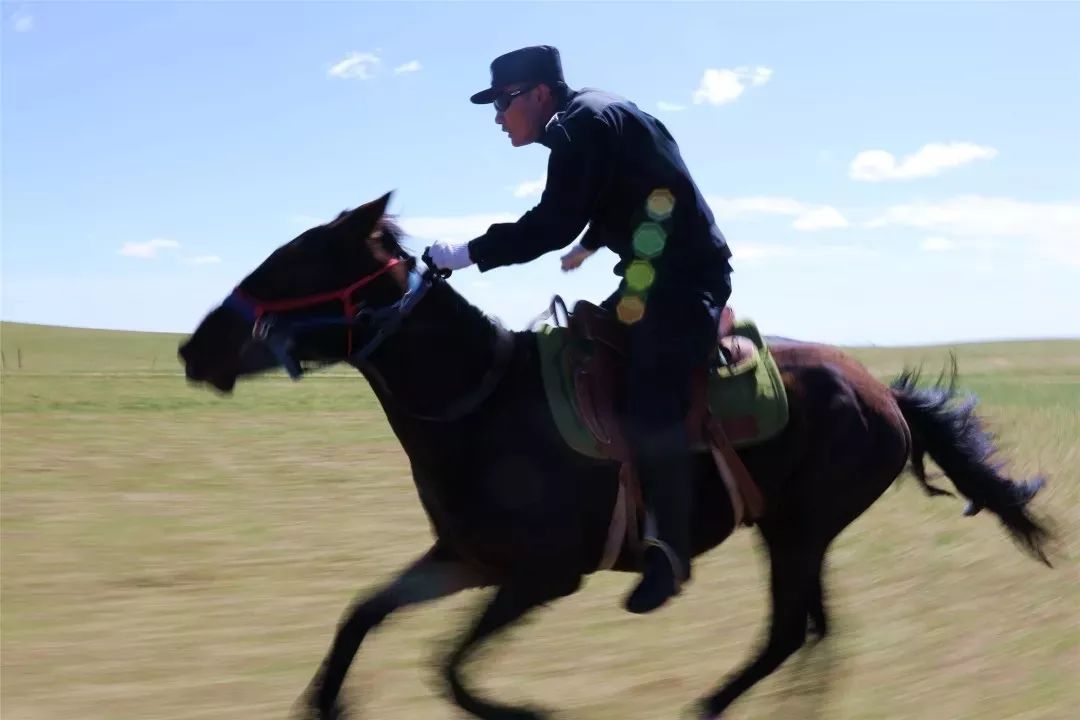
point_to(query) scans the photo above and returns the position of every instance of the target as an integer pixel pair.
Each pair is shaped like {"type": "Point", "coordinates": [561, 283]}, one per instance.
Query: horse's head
{"type": "Point", "coordinates": [326, 296]}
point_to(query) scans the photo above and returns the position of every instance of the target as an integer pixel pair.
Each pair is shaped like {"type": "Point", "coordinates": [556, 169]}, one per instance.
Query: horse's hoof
{"type": "Point", "coordinates": [307, 708]}
{"type": "Point", "coordinates": [816, 632]}
{"type": "Point", "coordinates": [526, 714]}
{"type": "Point", "coordinates": [334, 713]}
{"type": "Point", "coordinates": [704, 713]}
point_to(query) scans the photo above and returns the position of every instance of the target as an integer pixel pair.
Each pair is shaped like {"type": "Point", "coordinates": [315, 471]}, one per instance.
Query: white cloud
{"type": "Point", "coordinates": [988, 216]}
{"type": "Point", "coordinates": [736, 207]}
{"type": "Point", "coordinates": [929, 160]}
{"type": "Point", "coordinates": [760, 76]}
{"type": "Point", "coordinates": [203, 260]}
{"type": "Point", "coordinates": [807, 217]}
{"type": "Point", "coordinates": [820, 218]}
{"type": "Point", "coordinates": [530, 188]}
{"type": "Point", "coordinates": [723, 86]}
{"type": "Point", "coordinates": [1048, 230]}
{"type": "Point", "coordinates": [356, 65]}
{"type": "Point", "coordinates": [21, 22]}
{"type": "Point", "coordinates": [670, 106]}
{"type": "Point", "coordinates": [938, 244]}
{"type": "Point", "coordinates": [453, 228]}
{"type": "Point", "coordinates": [752, 252]}
{"type": "Point", "coordinates": [147, 250]}
{"type": "Point", "coordinates": [718, 87]}
{"type": "Point", "coordinates": [409, 67]}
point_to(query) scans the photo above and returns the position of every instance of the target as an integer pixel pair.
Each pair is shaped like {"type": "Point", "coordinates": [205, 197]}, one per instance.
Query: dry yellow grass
{"type": "Point", "coordinates": [167, 554]}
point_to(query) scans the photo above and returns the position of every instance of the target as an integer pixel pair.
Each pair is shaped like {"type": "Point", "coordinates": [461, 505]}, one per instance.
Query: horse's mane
{"type": "Point", "coordinates": [392, 233]}
{"type": "Point", "coordinates": [394, 241]}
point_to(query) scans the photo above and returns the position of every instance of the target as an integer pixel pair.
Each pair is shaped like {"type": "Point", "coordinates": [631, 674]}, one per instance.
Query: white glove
{"type": "Point", "coordinates": [575, 257]}
{"type": "Point", "coordinates": [450, 256]}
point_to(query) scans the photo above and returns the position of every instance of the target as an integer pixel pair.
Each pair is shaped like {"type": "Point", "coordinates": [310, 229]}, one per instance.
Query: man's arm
{"type": "Point", "coordinates": [578, 168]}
{"type": "Point", "coordinates": [592, 240]}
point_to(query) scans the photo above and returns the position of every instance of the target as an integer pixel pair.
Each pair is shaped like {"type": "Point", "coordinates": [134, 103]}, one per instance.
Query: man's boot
{"type": "Point", "coordinates": [666, 484]}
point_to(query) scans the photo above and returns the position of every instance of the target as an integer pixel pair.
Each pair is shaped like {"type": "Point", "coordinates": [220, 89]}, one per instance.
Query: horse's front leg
{"type": "Point", "coordinates": [435, 575]}
{"type": "Point", "coordinates": [513, 600]}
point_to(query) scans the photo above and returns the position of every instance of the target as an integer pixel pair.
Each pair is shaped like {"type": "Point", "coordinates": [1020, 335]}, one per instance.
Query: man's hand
{"type": "Point", "coordinates": [450, 256]}
{"type": "Point", "coordinates": [575, 257]}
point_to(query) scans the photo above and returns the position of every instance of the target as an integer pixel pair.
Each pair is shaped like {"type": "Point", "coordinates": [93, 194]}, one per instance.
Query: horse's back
{"type": "Point", "coordinates": [797, 358]}
{"type": "Point", "coordinates": [846, 407]}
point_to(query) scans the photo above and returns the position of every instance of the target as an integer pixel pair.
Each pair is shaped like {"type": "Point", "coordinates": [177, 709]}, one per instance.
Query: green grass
{"type": "Point", "coordinates": [168, 553]}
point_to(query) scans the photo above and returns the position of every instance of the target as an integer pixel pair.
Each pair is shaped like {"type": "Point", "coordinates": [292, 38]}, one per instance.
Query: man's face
{"type": "Point", "coordinates": [519, 111]}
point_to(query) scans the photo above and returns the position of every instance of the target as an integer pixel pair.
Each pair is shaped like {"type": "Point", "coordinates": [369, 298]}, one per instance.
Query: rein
{"type": "Point", "coordinates": [504, 351]}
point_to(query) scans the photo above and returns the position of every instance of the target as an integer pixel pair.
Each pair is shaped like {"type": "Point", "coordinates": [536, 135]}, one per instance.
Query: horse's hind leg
{"type": "Point", "coordinates": [435, 575]}
{"type": "Point", "coordinates": [794, 563]}
{"type": "Point", "coordinates": [511, 602]}
{"type": "Point", "coordinates": [819, 618]}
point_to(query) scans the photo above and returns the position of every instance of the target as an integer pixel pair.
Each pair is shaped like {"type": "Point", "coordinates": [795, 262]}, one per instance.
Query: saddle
{"type": "Point", "coordinates": [597, 355]}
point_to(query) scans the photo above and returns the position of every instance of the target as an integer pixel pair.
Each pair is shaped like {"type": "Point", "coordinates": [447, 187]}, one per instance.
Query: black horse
{"type": "Point", "coordinates": [511, 505]}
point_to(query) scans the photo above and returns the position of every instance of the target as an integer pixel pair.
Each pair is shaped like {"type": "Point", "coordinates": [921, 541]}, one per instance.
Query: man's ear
{"type": "Point", "coordinates": [544, 93]}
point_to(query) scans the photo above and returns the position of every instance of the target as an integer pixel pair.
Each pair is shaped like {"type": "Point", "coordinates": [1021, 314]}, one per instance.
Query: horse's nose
{"type": "Point", "coordinates": [190, 368]}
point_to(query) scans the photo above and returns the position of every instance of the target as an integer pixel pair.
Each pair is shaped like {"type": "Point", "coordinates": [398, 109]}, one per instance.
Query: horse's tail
{"type": "Point", "coordinates": [954, 437]}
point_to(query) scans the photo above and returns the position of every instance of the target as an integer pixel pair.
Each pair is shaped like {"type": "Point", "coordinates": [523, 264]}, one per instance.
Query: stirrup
{"type": "Point", "coordinates": [650, 539]}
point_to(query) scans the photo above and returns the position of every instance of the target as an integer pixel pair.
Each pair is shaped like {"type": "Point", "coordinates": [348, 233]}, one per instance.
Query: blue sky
{"type": "Point", "coordinates": [884, 173]}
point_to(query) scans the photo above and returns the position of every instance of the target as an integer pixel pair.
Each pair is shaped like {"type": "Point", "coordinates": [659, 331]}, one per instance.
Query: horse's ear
{"type": "Point", "coordinates": [362, 220]}
{"type": "Point", "coordinates": [378, 206]}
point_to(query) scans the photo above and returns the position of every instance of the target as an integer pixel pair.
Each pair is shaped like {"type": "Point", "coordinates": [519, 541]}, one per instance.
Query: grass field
{"type": "Point", "coordinates": [170, 554]}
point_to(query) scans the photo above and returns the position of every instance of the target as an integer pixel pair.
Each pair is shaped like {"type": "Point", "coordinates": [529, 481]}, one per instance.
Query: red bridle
{"type": "Point", "coordinates": [258, 309]}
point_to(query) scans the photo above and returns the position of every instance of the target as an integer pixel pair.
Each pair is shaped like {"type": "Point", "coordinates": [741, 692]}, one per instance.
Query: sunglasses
{"type": "Point", "coordinates": [505, 98]}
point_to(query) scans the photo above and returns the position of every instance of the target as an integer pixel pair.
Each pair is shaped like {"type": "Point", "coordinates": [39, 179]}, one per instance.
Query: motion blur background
{"type": "Point", "coordinates": [898, 179]}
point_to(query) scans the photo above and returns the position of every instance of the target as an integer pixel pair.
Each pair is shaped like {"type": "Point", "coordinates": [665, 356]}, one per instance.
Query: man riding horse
{"type": "Point", "coordinates": [618, 170]}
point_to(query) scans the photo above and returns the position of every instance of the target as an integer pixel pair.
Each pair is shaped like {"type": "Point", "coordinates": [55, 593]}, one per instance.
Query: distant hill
{"type": "Point", "coordinates": [50, 349]}
{"type": "Point", "coordinates": [63, 350]}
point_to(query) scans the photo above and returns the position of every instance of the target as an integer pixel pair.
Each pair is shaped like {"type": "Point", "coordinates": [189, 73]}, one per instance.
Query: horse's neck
{"type": "Point", "coordinates": [438, 355]}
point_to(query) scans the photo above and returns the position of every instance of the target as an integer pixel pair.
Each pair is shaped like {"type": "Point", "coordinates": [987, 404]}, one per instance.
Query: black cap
{"type": "Point", "coordinates": [535, 64]}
